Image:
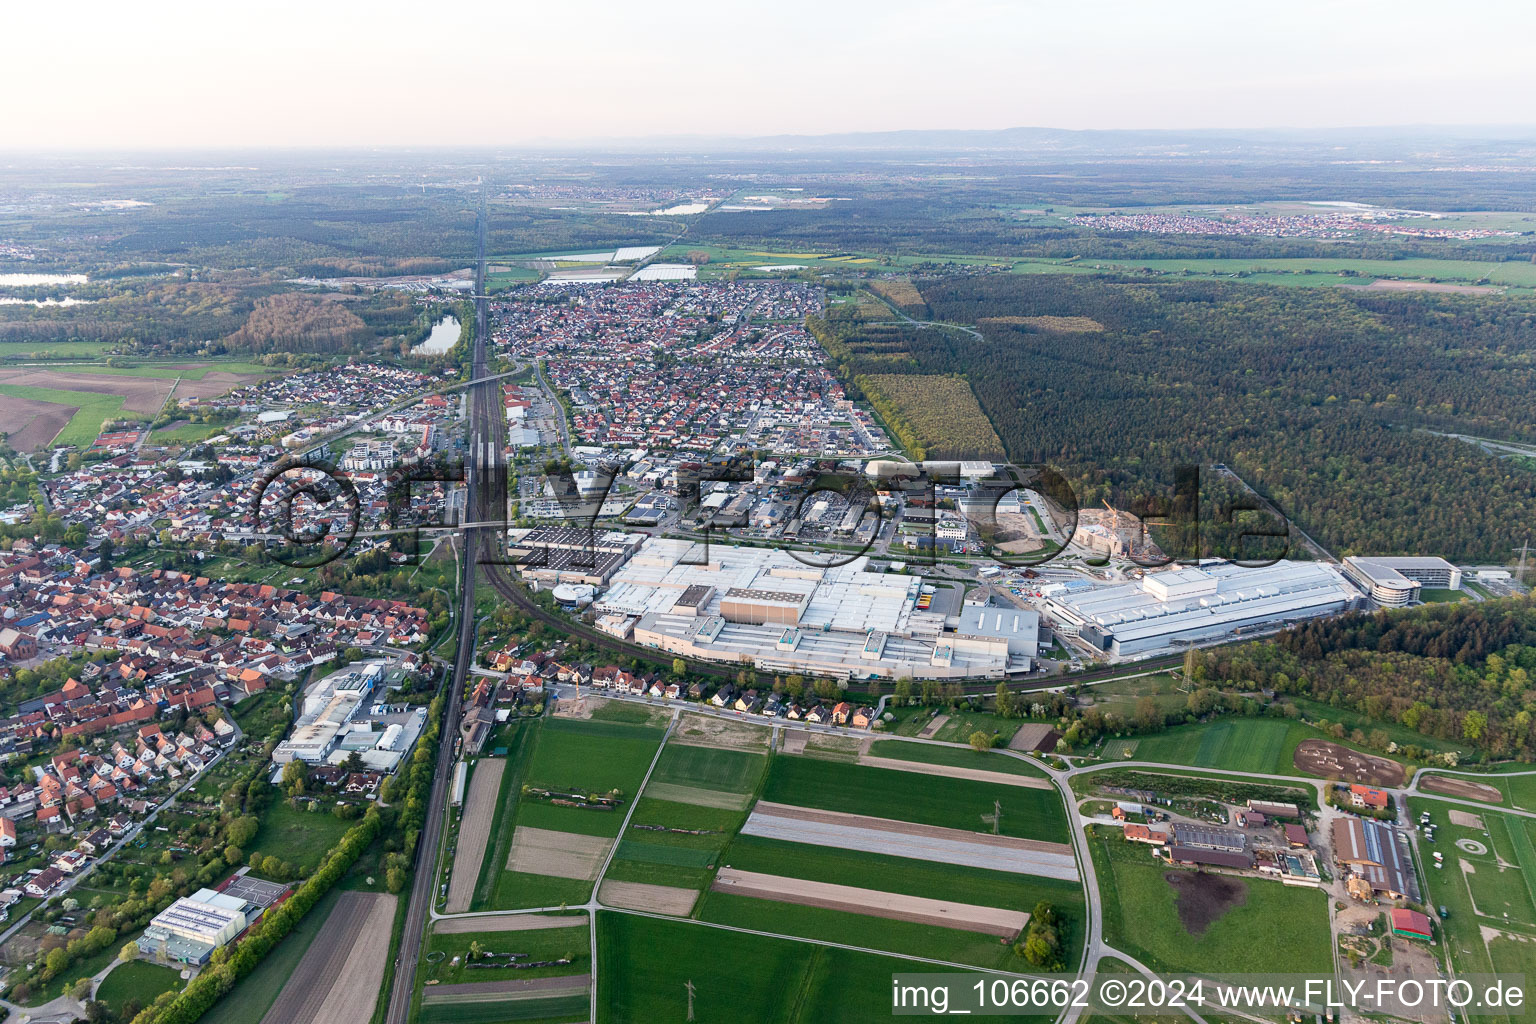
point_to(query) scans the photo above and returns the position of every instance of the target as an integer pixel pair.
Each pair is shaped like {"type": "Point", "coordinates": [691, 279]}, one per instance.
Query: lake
{"type": "Point", "coordinates": [445, 333]}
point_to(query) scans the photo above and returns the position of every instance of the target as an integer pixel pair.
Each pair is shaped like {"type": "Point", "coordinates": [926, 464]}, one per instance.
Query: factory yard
{"type": "Point", "coordinates": [906, 839]}
{"type": "Point", "coordinates": [475, 830]}
{"type": "Point", "coordinates": [338, 980]}
{"type": "Point", "coordinates": [1002, 923]}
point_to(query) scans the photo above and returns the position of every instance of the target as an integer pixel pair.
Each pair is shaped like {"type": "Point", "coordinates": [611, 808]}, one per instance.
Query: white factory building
{"type": "Point", "coordinates": [1177, 608]}
{"type": "Point", "coordinates": [763, 607]}
{"type": "Point", "coordinates": [1396, 581]}
{"type": "Point", "coordinates": [189, 930]}
{"type": "Point", "coordinates": [337, 718]}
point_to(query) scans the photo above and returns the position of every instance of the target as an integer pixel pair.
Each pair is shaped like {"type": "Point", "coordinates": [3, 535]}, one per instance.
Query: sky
{"type": "Point", "coordinates": [158, 74]}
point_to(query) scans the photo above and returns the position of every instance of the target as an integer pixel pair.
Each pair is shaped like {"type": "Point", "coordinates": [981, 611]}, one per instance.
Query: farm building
{"type": "Point", "coordinates": [1202, 857]}
{"type": "Point", "coordinates": [1142, 834]}
{"type": "Point", "coordinates": [1207, 837]}
{"type": "Point", "coordinates": [1270, 809]}
{"type": "Point", "coordinates": [1368, 796]}
{"type": "Point", "coordinates": [1378, 853]}
{"type": "Point", "coordinates": [1412, 924]}
{"type": "Point", "coordinates": [1297, 837]}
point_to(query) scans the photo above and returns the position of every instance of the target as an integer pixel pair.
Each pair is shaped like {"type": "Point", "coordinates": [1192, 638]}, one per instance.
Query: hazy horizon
{"type": "Point", "coordinates": [175, 75]}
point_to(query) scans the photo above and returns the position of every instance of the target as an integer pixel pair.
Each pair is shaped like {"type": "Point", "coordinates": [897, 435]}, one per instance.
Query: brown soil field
{"type": "Point", "coordinates": [1466, 819]}
{"type": "Point", "coordinates": [1034, 736]}
{"type": "Point", "coordinates": [949, 772]}
{"type": "Point", "coordinates": [505, 923]}
{"type": "Point", "coordinates": [474, 831]}
{"type": "Point", "coordinates": [654, 899]}
{"type": "Point", "coordinates": [1059, 324]}
{"type": "Point", "coordinates": [708, 731]}
{"type": "Point", "coordinates": [794, 741]}
{"type": "Point", "coordinates": [1329, 760]}
{"type": "Point", "coordinates": [140, 394]}
{"type": "Point", "coordinates": [933, 727]}
{"type": "Point", "coordinates": [338, 980]}
{"type": "Point", "coordinates": [1466, 789]}
{"type": "Point", "coordinates": [542, 851]}
{"type": "Point", "coordinates": [871, 902]}
{"type": "Point", "coordinates": [1203, 898]}
{"type": "Point", "coordinates": [28, 423]}
{"type": "Point", "coordinates": [213, 383]}
{"type": "Point", "coordinates": [1427, 286]}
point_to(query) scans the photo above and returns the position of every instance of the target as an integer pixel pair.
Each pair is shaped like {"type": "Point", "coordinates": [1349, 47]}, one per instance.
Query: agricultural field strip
{"type": "Point", "coordinates": [906, 839]}
{"type": "Point", "coordinates": [504, 923]}
{"type": "Point", "coordinates": [508, 990]}
{"type": "Point", "coordinates": [474, 832]}
{"type": "Point", "coordinates": [354, 992]}
{"type": "Point", "coordinates": [542, 851]}
{"type": "Point", "coordinates": [871, 902]}
{"type": "Point", "coordinates": [953, 772]}
{"type": "Point", "coordinates": [310, 986]}
{"type": "Point", "coordinates": [656, 899]}
{"type": "Point", "coordinates": [698, 796]}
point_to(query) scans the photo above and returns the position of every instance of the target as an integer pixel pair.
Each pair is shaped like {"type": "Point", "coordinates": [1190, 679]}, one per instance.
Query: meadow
{"type": "Point", "coordinates": [137, 981]}
{"type": "Point", "coordinates": [954, 757]}
{"type": "Point", "coordinates": [1237, 744]}
{"type": "Point", "coordinates": [1142, 918]}
{"type": "Point", "coordinates": [1482, 944]}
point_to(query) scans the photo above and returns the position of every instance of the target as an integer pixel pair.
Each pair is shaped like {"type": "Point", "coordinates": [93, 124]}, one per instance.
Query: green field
{"type": "Point", "coordinates": [1237, 744]}
{"type": "Point", "coordinates": [1307, 270]}
{"type": "Point", "coordinates": [955, 757]}
{"type": "Point", "coordinates": [740, 978]}
{"type": "Point", "coordinates": [728, 771]}
{"type": "Point", "coordinates": [302, 837]}
{"type": "Point", "coordinates": [27, 350]}
{"type": "Point", "coordinates": [548, 1010]}
{"type": "Point", "coordinates": [674, 858]}
{"type": "Point", "coordinates": [91, 410]}
{"type": "Point", "coordinates": [900, 937]}
{"type": "Point", "coordinates": [138, 981]}
{"type": "Point", "coordinates": [588, 756]}
{"type": "Point", "coordinates": [1141, 918]}
{"type": "Point", "coordinates": [538, 944]}
{"type": "Point", "coordinates": [591, 756]}
{"type": "Point", "coordinates": [950, 803]}
{"type": "Point", "coordinates": [186, 432]}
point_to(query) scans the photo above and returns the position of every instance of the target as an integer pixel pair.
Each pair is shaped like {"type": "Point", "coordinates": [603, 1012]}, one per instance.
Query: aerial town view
{"type": "Point", "coordinates": [704, 515]}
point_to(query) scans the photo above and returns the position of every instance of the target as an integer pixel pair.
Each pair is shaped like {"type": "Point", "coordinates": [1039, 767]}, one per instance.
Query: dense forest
{"type": "Point", "coordinates": [1327, 401]}
{"type": "Point", "coordinates": [1464, 673]}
